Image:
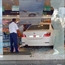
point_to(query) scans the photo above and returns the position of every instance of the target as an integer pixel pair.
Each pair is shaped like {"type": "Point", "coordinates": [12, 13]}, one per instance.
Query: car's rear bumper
{"type": "Point", "coordinates": [38, 42]}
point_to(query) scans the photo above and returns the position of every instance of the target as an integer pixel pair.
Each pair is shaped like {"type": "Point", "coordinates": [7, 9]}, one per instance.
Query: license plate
{"type": "Point", "coordinates": [31, 36]}
{"type": "Point", "coordinates": [35, 36]}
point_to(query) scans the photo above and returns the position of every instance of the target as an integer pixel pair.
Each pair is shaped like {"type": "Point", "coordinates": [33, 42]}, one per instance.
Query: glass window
{"type": "Point", "coordinates": [52, 26]}
{"type": "Point", "coordinates": [39, 27]}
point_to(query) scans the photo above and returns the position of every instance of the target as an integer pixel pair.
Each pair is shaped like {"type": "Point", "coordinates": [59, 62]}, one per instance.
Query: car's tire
{"type": "Point", "coordinates": [32, 15]}
{"type": "Point", "coordinates": [26, 46]}
{"type": "Point", "coordinates": [51, 47]}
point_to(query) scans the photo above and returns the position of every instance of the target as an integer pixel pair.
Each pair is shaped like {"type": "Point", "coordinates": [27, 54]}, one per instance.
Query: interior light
{"type": "Point", "coordinates": [47, 15]}
{"type": "Point", "coordinates": [17, 15]}
{"type": "Point", "coordinates": [7, 15]}
{"type": "Point", "coordinates": [41, 25]}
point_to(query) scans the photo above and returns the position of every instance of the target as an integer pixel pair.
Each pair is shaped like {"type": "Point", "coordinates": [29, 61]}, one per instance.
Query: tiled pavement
{"type": "Point", "coordinates": [46, 54]}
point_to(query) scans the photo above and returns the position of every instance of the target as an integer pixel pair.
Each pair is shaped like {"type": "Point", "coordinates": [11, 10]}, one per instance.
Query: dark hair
{"type": "Point", "coordinates": [13, 19]}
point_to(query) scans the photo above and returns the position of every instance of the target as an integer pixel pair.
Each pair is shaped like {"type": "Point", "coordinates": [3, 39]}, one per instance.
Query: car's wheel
{"type": "Point", "coordinates": [26, 46]}
{"type": "Point", "coordinates": [51, 47]}
{"type": "Point", "coordinates": [32, 15]}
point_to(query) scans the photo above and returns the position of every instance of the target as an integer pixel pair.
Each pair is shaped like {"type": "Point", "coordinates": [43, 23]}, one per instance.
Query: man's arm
{"type": "Point", "coordinates": [19, 33]}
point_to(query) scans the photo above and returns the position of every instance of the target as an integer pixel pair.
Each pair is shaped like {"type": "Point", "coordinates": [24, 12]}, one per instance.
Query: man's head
{"type": "Point", "coordinates": [14, 20]}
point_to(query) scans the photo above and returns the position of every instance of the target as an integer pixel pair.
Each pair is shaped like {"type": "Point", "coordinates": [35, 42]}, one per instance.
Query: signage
{"type": "Point", "coordinates": [9, 12]}
{"type": "Point", "coordinates": [2, 9]}
{"type": "Point", "coordinates": [15, 8]}
{"type": "Point", "coordinates": [47, 8]}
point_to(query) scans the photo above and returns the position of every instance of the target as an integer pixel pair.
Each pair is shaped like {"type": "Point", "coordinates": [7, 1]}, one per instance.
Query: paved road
{"type": "Point", "coordinates": [40, 62]}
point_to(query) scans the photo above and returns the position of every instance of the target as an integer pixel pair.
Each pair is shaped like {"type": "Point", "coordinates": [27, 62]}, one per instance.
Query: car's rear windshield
{"type": "Point", "coordinates": [38, 27]}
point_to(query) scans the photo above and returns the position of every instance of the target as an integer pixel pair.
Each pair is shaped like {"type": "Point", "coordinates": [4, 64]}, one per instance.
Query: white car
{"type": "Point", "coordinates": [30, 14]}
{"type": "Point", "coordinates": [38, 35]}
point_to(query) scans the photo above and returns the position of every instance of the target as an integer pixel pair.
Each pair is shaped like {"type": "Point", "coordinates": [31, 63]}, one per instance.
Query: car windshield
{"type": "Point", "coordinates": [38, 27]}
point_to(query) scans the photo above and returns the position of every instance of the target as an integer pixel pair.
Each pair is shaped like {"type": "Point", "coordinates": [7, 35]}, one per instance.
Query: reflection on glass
{"type": "Point", "coordinates": [59, 30]}
{"type": "Point", "coordinates": [39, 27]}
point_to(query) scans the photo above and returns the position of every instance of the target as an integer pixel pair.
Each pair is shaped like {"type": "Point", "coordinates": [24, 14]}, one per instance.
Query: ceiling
{"type": "Point", "coordinates": [8, 4]}
{"type": "Point", "coordinates": [57, 3]}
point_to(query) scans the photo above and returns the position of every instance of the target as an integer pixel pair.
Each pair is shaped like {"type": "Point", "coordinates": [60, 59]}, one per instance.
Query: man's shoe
{"type": "Point", "coordinates": [11, 52]}
{"type": "Point", "coordinates": [17, 52]}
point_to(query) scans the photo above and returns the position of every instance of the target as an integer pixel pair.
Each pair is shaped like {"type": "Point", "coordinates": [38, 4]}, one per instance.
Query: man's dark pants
{"type": "Point", "coordinates": [13, 42]}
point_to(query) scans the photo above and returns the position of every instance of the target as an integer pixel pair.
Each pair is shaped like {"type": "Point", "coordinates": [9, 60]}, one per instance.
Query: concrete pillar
{"type": "Point", "coordinates": [47, 2]}
{"type": "Point", "coordinates": [1, 37]}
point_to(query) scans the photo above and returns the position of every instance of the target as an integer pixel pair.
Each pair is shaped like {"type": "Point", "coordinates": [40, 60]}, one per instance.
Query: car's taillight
{"type": "Point", "coordinates": [23, 35]}
{"type": "Point", "coordinates": [47, 34]}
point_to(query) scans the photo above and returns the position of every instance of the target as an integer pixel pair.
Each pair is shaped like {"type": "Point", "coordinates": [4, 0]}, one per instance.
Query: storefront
{"type": "Point", "coordinates": [33, 12]}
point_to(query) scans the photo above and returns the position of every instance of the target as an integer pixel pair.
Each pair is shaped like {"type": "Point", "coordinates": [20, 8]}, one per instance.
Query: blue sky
{"type": "Point", "coordinates": [31, 5]}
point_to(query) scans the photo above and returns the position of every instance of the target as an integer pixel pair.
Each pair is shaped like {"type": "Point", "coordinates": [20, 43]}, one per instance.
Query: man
{"type": "Point", "coordinates": [13, 28]}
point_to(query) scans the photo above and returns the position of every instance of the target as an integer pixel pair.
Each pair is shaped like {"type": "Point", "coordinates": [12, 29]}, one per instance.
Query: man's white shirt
{"type": "Point", "coordinates": [13, 27]}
